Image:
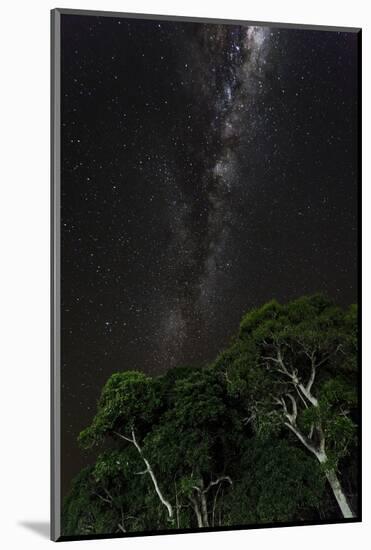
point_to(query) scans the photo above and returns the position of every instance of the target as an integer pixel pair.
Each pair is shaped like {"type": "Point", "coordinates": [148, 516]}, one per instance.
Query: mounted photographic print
{"type": "Point", "coordinates": [206, 270]}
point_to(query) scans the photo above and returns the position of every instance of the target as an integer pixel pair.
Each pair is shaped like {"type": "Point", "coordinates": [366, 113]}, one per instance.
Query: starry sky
{"type": "Point", "coordinates": [206, 169]}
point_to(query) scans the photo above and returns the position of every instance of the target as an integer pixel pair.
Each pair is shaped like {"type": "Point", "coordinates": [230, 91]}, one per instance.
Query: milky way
{"type": "Point", "coordinates": [229, 73]}
{"type": "Point", "coordinates": [246, 50]}
{"type": "Point", "coordinates": [206, 169]}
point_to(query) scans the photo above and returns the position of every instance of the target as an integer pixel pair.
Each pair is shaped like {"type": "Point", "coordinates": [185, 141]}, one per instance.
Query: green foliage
{"type": "Point", "coordinates": [128, 399]}
{"type": "Point", "coordinates": [198, 426]}
{"type": "Point", "coordinates": [279, 483]}
{"type": "Point", "coordinates": [202, 412]}
{"type": "Point", "coordinates": [256, 318]}
{"type": "Point", "coordinates": [83, 512]}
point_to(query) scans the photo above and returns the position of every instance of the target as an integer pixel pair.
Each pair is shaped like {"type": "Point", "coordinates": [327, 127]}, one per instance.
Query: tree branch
{"type": "Point", "coordinates": [304, 440]}
{"type": "Point", "coordinates": [123, 437]}
{"type": "Point", "coordinates": [310, 435]}
{"type": "Point", "coordinates": [148, 469]}
{"type": "Point", "coordinates": [104, 499]}
{"type": "Point", "coordinates": [308, 395]}
{"type": "Point", "coordinates": [293, 416]}
{"type": "Point", "coordinates": [152, 476]}
{"type": "Point", "coordinates": [301, 396]}
{"type": "Point", "coordinates": [228, 380]}
{"type": "Point", "coordinates": [312, 376]}
{"type": "Point", "coordinates": [217, 481]}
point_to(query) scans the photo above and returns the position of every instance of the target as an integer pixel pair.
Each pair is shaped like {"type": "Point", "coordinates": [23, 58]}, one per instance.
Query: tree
{"type": "Point", "coordinates": [194, 442]}
{"type": "Point", "coordinates": [299, 373]}
{"type": "Point", "coordinates": [126, 410]}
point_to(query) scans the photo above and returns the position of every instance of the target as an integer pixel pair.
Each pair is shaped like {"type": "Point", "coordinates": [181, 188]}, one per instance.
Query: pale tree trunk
{"type": "Point", "coordinates": [316, 445]}
{"type": "Point", "coordinates": [157, 488]}
{"type": "Point", "coordinates": [336, 487]}
{"type": "Point", "coordinates": [199, 517]}
{"type": "Point", "coordinates": [214, 505]}
{"type": "Point", "coordinates": [196, 510]}
{"type": "Point", "coordinates": [149, 471]}
{"type": "Point", "coordinates": [199, 500]}
{"type": "Point", "coordinates": [339, 494]}
{"type": "Point", "coordinates": [205, 515]}
{"type": "Point", "coordinates": [331, 476]}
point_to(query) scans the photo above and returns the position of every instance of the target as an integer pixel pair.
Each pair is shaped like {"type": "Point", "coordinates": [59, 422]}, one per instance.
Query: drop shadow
{"type": "Point", "coordinates": [42, 528]}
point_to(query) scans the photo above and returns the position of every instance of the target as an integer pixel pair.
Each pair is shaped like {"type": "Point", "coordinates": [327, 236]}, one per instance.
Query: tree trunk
{"type": "Point", "coordinates": [149, 470]}
{"type": "Point", "coordinates": [214, 504]}
{"type": "Point", "coordinates": [157, 488]}
{"type": "Point", "coordinates": [199, 517]}
{"type": "Point", "coordinates": [339, 494]}
{"type": "Point", "coordinates": [197, 511]}
{"type": "Point", "coordinates": [331, 476]}
{"type": "Point", "coordinates": [205, 515]}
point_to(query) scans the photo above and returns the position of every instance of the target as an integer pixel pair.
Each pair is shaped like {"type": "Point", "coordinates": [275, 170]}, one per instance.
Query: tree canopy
{"type": "Point", "coordinates": [266, 433]}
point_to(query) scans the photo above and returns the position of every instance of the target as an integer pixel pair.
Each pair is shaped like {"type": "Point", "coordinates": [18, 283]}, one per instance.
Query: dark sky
{"type": "Point", "coordinates": [206, 169]}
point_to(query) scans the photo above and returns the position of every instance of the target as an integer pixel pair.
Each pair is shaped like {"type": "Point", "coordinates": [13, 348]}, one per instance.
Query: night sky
{"type": "Point", "coordinates": [206, 169]}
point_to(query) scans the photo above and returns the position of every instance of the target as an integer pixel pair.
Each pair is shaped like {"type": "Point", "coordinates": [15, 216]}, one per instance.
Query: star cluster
{"type": "Point", "coordinates": [206, 169]}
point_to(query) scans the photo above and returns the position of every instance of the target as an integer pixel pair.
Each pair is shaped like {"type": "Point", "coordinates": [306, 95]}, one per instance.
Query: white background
{"type": "Point", "coordinates": [24, 272]}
